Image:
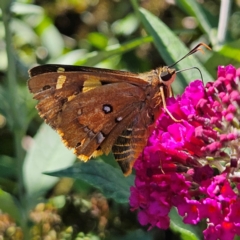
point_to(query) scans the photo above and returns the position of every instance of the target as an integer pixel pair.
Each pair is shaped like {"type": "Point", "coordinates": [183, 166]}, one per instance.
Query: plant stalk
{"type": "Point", "coordinates": [17, 125]}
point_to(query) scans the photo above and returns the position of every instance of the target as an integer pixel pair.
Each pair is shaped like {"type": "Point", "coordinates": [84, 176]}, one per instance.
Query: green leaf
{"type": "Point", "coordinates": [9, 205]}
{"type": "Point", "coordinates": [51, 37]}
{"type": "Point", "coordinates": [5, 5]}
{"type": "Point", "coordinates": [231, 51]}
{"type": "Point", "coordinates": [228, 54]}
{"type": "Point", "coordinates": [98, 40]}
{"type": "Point", "coordinates": [70, 58]}
{"type": "Point", "coordinates": [138, 234]}
{"type": "Point", "coordinates": [80, 57]}
{"type": "Point", "coordinates": [187, 232]}
{"type": "Point", "coordinates": [7, 166]}
{"type": "Point", "coordinates": [172, 49]}
{"type": "Point", "coordinates": [23, 33]}
{"type": "Point", "coordinates": [126, 26]}
{"type": "Point", "coordinates": [106, 178]}
{"type": "Point", "coordinates": [48, 153]}
{"type": "Point", "coordinates": [195, 9]}
{"type": "Point", "coordinates": [24, 9]}
{"type": "Point", "coordinates": [95, 57]}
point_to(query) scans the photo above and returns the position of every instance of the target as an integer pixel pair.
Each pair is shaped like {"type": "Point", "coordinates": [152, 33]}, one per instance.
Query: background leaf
{"type": "Point", "coordinates": [50, 37]}
{"type": "Point", "coordinates": [48, 153]}
{"type": "Point", "coordinates": [106, 178]}
{"type": "Point", "coordinates": [9, 205]}
{"type": "Point", "coordinates": [195, 9]}
{"type": "Point", "coordinates": [187, 232]}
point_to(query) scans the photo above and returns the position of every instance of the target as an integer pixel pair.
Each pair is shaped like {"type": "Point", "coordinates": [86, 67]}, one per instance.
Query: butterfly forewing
{"type": "Point", "coordinates": [94, 109]}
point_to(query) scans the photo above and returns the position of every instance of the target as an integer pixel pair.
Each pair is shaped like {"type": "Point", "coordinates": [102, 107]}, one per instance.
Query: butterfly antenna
{"type": "Point", "coordinates": [186, 69]}
{"type": "Point", "coordinates": [195, 49]}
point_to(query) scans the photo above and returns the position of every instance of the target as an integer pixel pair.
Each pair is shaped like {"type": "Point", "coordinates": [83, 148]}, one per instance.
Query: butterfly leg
{"type": "Point", "coordinates": [165, 106]}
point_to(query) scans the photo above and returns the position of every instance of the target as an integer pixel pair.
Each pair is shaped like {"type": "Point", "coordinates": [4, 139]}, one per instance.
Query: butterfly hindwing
{"type": "Point", "coordinates": [130, 143]}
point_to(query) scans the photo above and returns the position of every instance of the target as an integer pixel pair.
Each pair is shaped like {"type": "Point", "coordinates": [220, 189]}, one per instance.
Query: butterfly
{"type": "Point", "coordinates": [98, 110]}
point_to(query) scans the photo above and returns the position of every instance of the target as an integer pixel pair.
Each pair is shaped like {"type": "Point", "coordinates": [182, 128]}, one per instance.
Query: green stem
{"type": "Point", "coordinates": [135, 6]}
{"type": "Point", "coordinates": [14, 108]}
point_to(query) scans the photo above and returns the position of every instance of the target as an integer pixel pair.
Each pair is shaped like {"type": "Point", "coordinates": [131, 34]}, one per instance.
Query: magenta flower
{"type": "Point", "coordinates": [193, 165]}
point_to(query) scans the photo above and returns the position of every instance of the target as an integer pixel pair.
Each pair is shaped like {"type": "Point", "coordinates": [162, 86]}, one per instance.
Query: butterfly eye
{"type": "Point", "coordinates": [166, 76]}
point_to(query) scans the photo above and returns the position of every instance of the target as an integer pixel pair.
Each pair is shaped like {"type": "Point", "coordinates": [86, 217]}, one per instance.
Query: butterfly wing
{"type": "Point", "coordinates": [130, 144]}
{"type": "Point", "coordinates": [93, 109]}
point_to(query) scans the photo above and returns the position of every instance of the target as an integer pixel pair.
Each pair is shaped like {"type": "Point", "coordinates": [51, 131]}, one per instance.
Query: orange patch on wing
{"type": "Point", "coordinates": [83, 157]}
{"type": "Point", "coordinates": [97, 153]}
{"type": "Point", "coordinates": [60, 132]}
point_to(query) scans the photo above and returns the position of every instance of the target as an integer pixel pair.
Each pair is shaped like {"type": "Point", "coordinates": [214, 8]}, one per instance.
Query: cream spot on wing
{"type": "Point", "coordinates": [60, 69]}
{"type": "Point", "coordinates": [61, 80]}
{"type": "Point", "coordinates": [82, 142]}
{"type": "Point", "coordinates": [71, 97]}
{"type": "Point", "coordinates": [79, 112]}
{"type": "Point", "coordinates": [91, 84]}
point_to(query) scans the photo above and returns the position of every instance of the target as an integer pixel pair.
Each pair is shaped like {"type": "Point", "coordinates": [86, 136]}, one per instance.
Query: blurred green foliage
{"type": "Point", "coordinates": [103, 33]}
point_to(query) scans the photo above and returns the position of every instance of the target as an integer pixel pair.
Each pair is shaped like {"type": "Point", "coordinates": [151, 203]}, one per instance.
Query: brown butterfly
{"type": "Point", "coordinates": [98, 110]}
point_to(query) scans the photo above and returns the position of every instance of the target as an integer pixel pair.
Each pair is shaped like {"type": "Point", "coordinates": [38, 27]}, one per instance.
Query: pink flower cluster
{"type": "Point", "coordinates": [193, 165]}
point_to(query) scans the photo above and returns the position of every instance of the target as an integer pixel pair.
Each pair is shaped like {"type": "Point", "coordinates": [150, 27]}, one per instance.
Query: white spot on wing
{"type": "Point", "coordinates": [100, 138]}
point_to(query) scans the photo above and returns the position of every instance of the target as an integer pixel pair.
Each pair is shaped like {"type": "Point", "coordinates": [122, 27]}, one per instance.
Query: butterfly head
{"type": "Point", "coordinates": [166, 75]}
